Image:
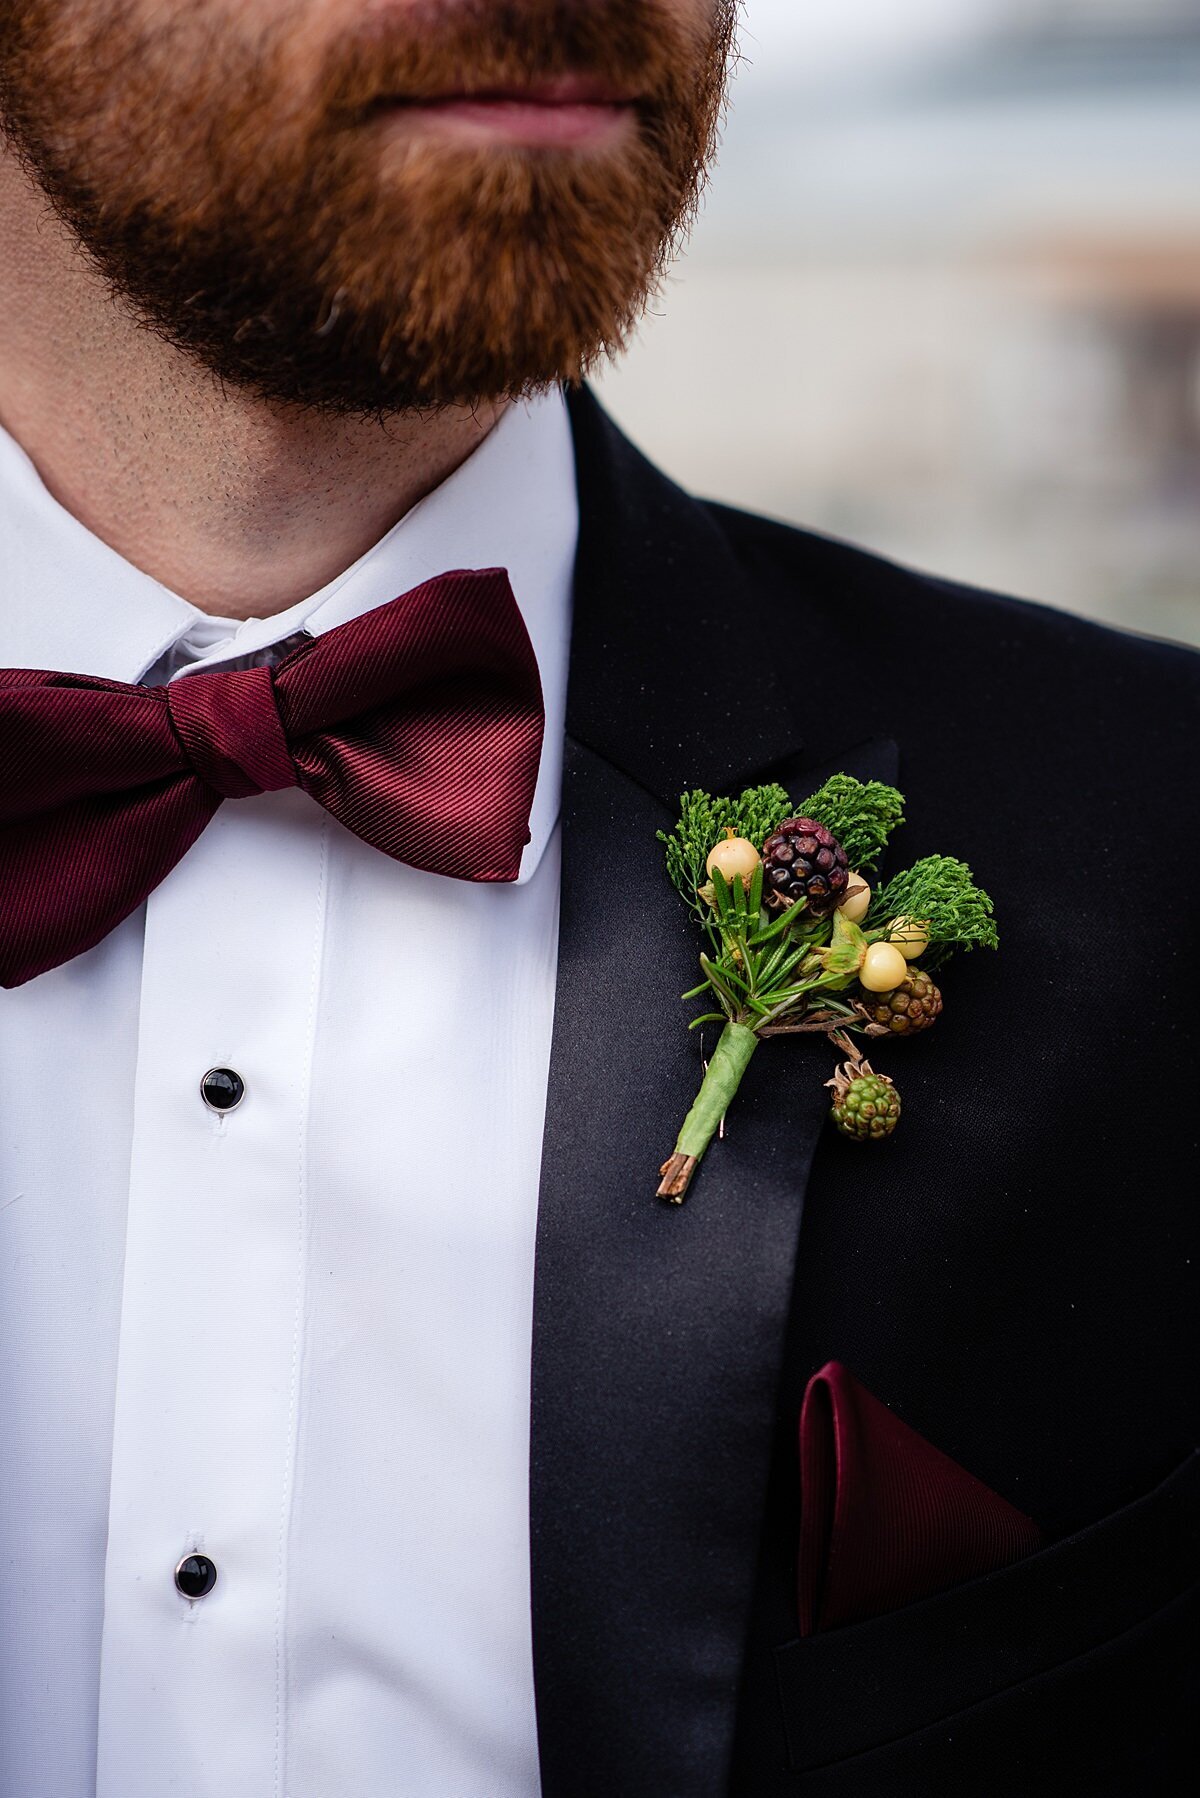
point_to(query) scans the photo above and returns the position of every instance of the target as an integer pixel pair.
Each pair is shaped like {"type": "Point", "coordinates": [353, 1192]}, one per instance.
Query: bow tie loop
{"type": "Point", "coordinates": [229, 726]}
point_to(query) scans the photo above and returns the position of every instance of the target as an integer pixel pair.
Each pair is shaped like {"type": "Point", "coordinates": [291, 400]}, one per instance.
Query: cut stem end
{"type": "Point", "coordinates": [677, 1173]}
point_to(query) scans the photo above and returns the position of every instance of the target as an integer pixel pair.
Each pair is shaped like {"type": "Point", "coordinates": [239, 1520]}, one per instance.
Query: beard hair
{"type": "Point", "coordinates": [251, 219]}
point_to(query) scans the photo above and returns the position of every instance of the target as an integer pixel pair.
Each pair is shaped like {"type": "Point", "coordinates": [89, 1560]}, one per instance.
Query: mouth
{"type": "Point", "coordinates": [570, 111]}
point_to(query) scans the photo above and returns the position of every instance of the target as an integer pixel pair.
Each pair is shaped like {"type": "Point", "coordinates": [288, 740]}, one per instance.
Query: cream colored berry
{"type": "Point", "coordinates": [910, 935]}
{"type": "Point", "coordinates": [854, 909]}
{"type": "Point", "coordinates": [735, 857]}
{"type": "Point", "coordinates": [883, 968]}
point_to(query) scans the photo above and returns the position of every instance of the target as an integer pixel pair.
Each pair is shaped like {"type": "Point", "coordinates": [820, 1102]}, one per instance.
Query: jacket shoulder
{"type": "Point", "coordinates": [801, 572]}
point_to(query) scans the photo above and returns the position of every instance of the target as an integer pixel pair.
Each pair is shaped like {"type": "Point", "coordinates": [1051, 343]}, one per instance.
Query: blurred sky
{"type": "Point", "coordinates": [784, 38]}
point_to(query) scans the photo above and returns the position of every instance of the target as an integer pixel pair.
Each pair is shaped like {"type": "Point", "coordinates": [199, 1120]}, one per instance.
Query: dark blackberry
{"type": "Point", "coordinates": [805, 864]}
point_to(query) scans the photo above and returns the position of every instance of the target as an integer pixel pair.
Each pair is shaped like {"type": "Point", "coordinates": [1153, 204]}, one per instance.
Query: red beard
{"type": "Point", "coordinates": [249, 213]}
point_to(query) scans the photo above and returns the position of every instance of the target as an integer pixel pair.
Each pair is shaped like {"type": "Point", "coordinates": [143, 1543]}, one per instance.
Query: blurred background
{"type": "Point", "coordinates": [944, 296]}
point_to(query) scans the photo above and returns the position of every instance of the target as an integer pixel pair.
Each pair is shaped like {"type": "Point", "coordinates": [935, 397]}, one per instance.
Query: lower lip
{"type": "Point", "coordinates": [518, 121]}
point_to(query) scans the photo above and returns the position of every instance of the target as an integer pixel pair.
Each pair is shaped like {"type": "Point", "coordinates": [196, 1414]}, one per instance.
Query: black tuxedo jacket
{"type": "Point", "coordinates": [1010, 1273]}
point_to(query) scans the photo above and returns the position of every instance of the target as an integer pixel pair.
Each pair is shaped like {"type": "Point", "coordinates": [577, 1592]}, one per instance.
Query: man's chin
{"type": "Point", "coordinates": [363, 368]}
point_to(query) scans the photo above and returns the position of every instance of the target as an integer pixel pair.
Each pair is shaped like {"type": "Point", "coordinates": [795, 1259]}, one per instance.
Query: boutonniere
{"type": "Point", "coordinates": [798, 941]}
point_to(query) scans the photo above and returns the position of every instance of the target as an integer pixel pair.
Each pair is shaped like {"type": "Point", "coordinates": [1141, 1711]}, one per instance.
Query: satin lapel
{"type": "Point", "coordinates": [657, 1330]}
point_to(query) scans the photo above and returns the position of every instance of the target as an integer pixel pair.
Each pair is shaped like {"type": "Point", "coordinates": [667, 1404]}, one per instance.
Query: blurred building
{"type": "Point", "coordinates": [949, 306]}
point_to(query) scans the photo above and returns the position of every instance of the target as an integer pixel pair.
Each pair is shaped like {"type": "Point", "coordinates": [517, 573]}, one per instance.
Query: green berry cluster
{"type": "Point", "coordinates": [866, 1105]}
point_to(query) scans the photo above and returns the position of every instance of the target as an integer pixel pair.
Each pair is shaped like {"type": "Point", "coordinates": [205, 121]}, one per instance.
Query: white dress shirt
{"type": "Point", "coordinates": [293, 1336]}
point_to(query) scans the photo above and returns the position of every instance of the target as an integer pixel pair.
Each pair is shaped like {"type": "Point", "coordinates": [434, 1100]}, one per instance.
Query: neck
{"type": "Point", "coordinates": [240, 506]}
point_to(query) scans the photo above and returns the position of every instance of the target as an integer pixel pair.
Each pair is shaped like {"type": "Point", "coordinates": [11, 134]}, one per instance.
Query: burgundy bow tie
{"type": "Point", "coordinates": [417, 725]}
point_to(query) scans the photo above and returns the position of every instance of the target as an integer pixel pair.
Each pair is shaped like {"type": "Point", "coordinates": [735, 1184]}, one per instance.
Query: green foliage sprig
{"type": "Point", "coordinates": [765, 969]}
{"type": "Point", "coordinates": [942, 893]}
{"type": "Point", "coordinates": [703, 821]}
{"type": "Point", "coordinates": [861, 815]}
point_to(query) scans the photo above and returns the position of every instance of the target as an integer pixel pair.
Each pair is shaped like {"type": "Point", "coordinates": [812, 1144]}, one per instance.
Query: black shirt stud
{"type": "Point", "coordinates": [222, 1089]}
{"type": "Point", "coordinates": [195, 1576]}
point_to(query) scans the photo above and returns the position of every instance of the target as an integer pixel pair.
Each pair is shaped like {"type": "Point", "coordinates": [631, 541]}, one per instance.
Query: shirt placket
{"type": "Point", "coordinates": [193, 1690]}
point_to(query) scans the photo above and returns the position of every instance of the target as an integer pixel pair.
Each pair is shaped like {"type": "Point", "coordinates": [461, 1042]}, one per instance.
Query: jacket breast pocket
{"type": "Point", "coordinates": [1000, 1678]}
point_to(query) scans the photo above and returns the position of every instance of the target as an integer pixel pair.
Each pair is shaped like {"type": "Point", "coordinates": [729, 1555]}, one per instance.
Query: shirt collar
{"type": "Point", "coordinates": [68, 601]}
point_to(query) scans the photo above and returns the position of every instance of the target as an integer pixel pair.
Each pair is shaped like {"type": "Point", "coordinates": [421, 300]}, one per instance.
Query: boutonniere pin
{"type": "Point", "coordinates": [798, 941]}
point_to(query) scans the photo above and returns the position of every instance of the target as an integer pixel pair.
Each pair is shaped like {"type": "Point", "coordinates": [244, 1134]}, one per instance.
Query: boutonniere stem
{"type": "Point", "coordinates": [722, 1077]}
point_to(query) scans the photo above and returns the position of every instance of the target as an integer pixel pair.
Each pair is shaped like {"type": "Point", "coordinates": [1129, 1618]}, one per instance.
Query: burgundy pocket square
{"type": "Point", "coordinates": [886, 1518]}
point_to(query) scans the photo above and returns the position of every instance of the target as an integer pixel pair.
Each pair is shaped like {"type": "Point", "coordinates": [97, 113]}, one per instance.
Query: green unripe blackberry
{"type": "Point", "coordinates": [866, 1105]}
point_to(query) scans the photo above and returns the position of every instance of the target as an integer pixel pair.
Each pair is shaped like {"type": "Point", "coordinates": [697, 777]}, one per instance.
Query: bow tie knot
{"type": "Point", "coordinates": [231, 731]}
